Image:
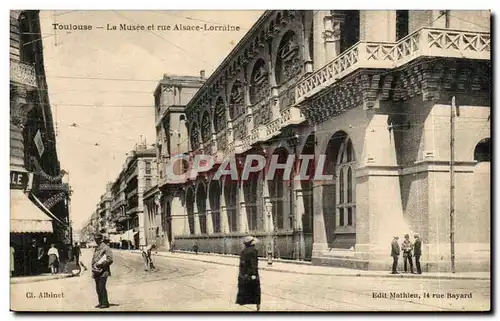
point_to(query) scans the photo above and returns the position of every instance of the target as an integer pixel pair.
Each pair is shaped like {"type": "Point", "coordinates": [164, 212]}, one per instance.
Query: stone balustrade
{"type": "Point", "coordinates": [424, 42]}
{"type": "Point", "coordinates": [291, 116]}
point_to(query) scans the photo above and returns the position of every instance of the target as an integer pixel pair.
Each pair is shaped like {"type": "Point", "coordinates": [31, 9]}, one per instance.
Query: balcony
{"type": "Point", "coordinates": [291, 116]}
{"type": "Point", "coordinates": [425, 42]}
{"type": "Point", "coordinates": [22, 73]}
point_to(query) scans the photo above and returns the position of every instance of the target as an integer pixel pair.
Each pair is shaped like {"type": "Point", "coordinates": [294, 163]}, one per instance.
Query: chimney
{"type": "Point", "coordinates": [202, 73]}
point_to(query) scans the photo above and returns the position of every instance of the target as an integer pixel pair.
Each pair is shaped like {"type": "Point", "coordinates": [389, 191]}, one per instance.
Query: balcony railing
{"type": "Point", "coordinates": [425, 42]}
{"type": "Point", "coordinates": [22, 73]}
{"type": "Point", "coordinates": [273, 127]}
{"type": "Point", "coordinates": [291, 116]}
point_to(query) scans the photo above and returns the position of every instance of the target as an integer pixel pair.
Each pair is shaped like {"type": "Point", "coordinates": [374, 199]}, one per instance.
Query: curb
{"type": "Point", "coordinates": [39, 279]}
{"type": "Point", "coordinates": [372, 275]}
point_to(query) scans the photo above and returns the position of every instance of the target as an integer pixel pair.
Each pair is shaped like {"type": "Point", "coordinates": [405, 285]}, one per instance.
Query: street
{"type": "Point", "coordinates": [186, 285]}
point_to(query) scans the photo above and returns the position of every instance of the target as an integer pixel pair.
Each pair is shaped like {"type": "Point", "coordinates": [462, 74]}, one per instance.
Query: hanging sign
{"type": "Point", "coordinates": [39, 143]}
{"type": "Point", "coordinates": [51, 202]}
{"type": "Point", "coordinates": [54, 187]}
{"type": "Point", "coordinates": [18, 180]}
{"type": "Point", "coordinates": [39, 171]}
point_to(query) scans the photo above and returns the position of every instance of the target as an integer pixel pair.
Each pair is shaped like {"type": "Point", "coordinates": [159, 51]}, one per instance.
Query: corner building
{"type": "Point", "coordinates": [371, 90]}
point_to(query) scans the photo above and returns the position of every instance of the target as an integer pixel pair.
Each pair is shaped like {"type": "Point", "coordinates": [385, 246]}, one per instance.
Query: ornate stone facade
{"type": "Point", "coordinates": [374, 111]}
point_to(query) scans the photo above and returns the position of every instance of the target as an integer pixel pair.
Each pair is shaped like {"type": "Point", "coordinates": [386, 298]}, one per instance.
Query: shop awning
{"type": "Point", "coordinates": [26, 217]}
{"type": "Point", "coordinates": [128, 235]}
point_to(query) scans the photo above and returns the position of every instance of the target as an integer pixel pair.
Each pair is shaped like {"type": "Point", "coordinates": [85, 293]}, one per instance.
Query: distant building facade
{"type": "Point", "coordinates": [164, 201]}
{"type": "Point", "coordinates": [370, 90]}
{"type": "Point", "coordinates": [126, 193]}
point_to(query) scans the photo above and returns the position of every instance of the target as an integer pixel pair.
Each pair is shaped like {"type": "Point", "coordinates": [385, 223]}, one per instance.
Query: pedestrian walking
{"type": "Point", "coordinates": [53, 254]}
{"type": "Point", "coordinates": [146, 256]}
{"type": "Point", "coordinates": [407, 247]}
{"type": "Point", "coordinates": [248, 277]}
{"type": "Point", "coordinates": [417, 251]}
{"type": "Point", "coordinates": [101, 261]}
{"type": "Point", "coordinates": [395, 250]}
{"type": "Point", "coordinates": [76, 253]}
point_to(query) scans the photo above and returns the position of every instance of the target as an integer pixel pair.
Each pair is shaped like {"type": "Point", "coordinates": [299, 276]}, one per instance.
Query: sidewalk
{"type": "Point", "coordinates": [39, 278]}
{"type": "Point", "coordinates": [301, 267]}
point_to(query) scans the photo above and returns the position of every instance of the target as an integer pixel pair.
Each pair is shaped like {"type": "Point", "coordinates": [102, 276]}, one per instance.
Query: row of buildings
{"type": "Point", "coordinates": [374, 92]}
{"type": "Point", "coordinates": [39, 189]}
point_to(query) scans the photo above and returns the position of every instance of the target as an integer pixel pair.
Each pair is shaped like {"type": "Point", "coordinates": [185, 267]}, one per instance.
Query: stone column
{"type": "Point", "coordinates": [242, 213]}
{"type": "Point", "coordinates": [180, 222]}
{"type": "Point", "coordinates": [332, 35]}
{"type": "Point", "coordinates": [319, 50]}
{"type": "Point", "coordinates": [208, 213]}
{"type": "Point", "coordinates": [378, 25]}
{"type": "Point", "coordinates": [378, 217]}
{"type": "Point", "coordinates": [224, 222]}
{"type": "Point", "coordinates": [299, 213]}
{"type": "Point", "coordinates": [197, 229]}
{"type": "Point", "coordinates": [308, 60]}
{"type": "Point", "coordinates": [320, 242]}
{"type": "Point", "coordinates": [268, 216]}
{"type": "Point", "coordinates": [248, 108]}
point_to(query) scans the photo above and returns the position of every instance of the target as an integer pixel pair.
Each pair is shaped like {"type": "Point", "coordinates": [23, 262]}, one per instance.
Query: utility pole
{"type": "Point", "coordinates": [452, 183]}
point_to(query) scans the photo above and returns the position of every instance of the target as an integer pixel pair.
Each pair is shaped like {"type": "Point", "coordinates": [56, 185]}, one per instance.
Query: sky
{"type": "Point", "coordinates": [103, 81]}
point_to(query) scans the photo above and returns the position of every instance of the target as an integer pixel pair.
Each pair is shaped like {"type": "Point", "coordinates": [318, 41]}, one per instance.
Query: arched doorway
{"type": "Point", "coordinates": [214, 197]}
{"type": "Point", "coordinates": [339, 200]}
{"type": "Point", "coordinates": [307, 197]}
{"type": "Point", "coordinates": [190, 209]}
{"type": "Point", "coordinates": [201, 204]}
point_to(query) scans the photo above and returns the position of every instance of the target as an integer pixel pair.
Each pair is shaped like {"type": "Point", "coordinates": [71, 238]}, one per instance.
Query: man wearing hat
{"type": "Point", "coordinates": [101, 261]}
{"type": "Point", "coordinates": [395, 254]}
{"type": "Point", "coordinates": [417, 252]}
{"type": "Point", "coordinates": [407, 248]}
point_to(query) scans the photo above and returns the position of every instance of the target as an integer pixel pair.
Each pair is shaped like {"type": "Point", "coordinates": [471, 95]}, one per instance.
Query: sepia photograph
{"type": "Point", "coordinates": [250, 160]}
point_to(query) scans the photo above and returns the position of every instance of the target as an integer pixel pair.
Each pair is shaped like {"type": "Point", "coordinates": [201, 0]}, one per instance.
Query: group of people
{"type": "Point", "coordinates": [409, 250]}
{"type": "Point", "coordinates": [40, 257]}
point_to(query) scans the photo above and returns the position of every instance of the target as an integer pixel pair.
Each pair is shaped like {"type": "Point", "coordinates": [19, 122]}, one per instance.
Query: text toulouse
{"type": "Point", "coordinates": [150, 27]}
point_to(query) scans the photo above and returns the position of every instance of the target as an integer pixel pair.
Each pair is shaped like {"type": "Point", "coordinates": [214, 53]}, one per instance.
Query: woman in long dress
{"type": "Point", "coordinates": [53, 258]}
{"type": "Point", "coordinates": [248, 278]}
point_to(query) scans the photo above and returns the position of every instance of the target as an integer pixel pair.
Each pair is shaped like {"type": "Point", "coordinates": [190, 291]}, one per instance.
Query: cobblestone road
{"type": "Point", "coordinates": [183, 285]}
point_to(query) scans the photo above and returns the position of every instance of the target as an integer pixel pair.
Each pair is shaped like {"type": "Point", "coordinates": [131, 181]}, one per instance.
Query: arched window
{"type": "Point", "coordinates": [259, 82]}
{"type": "Point", "coordinates": [206, 127]}
{"type": "Point", "coordinates": [346, 204]}
{"type": "Point", "coordinates": [288, 59]}
{"type": "Point", "coordinates": [220, 115]}
{"type": "Point", "coordinates": [237, 100]}
{"type": "Point", "coordinates": [482, 152]}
